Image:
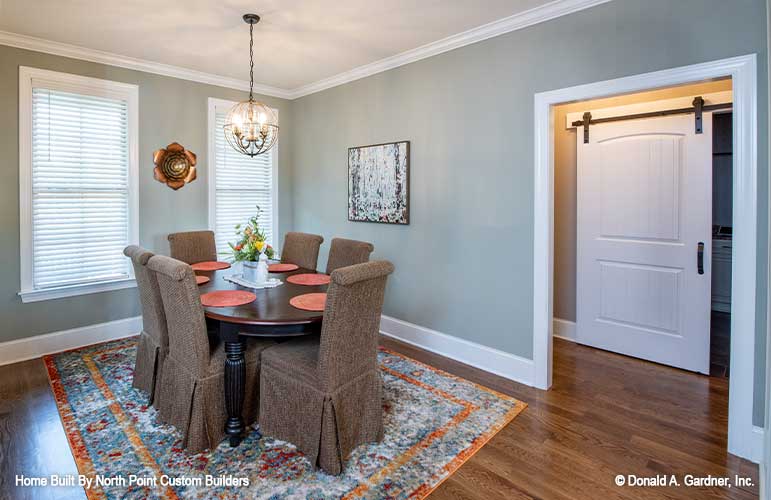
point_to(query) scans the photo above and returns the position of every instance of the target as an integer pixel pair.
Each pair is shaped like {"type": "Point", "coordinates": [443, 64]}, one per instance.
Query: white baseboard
{"type": "Point", "coordinates": [756, 445]}
{"type": "Point", "coordinates": [564, 329]}
{"type": "Point", "coordinates": [34, 347]}
{"type": "Point", "coordinates": [485, 358]}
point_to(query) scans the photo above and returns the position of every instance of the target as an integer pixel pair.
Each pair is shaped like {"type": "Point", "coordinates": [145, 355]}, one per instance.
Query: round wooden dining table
{"type": "Point", "coordinates": [269, 316]}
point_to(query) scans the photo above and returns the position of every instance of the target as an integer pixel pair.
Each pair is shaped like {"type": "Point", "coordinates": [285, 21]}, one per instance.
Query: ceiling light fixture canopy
{"type": "Point", "coordinates": [251, 127]}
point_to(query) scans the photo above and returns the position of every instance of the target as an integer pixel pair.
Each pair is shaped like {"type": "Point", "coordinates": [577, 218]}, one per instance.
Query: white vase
{"type": "Point", "coordinates": [250, 271]}
{"type": "Point", "coordinates": [262, 269]}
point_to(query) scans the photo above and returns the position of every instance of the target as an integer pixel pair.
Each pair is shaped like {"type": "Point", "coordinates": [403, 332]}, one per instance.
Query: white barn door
{"type": "Point", "coordinates": [644, 219]}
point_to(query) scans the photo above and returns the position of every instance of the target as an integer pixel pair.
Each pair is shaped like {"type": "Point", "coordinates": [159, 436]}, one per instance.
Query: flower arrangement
{"type": "Point", "coordinates": [251, 241]}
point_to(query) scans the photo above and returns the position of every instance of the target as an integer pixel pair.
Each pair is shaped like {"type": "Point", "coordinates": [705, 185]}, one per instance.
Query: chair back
{"type": "Point", "coordinates": [301, 249]}
{"type": "Point", "coordinates": [344, 253]}
{"type": "Point", "coordinates": [349, 332]}
{"type": "Point", "coordinates": [193, 246]}
{"type": "Point", "coordinates": [188, 340]}
{"type": "Point", "coordinates": [153, 316]}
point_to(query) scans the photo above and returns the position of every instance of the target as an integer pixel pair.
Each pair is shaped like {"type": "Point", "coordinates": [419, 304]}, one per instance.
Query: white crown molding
{"type": "Point", "coordinates": [98, 56]}
{"type": "Point", "coordinates": [546, 12]}
{"type": "Point", "coordinates": [551, 10]}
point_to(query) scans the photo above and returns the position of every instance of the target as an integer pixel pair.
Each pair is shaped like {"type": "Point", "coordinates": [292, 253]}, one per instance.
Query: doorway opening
{"type": "Point", "coordinates": [722, 234]}
{"type": "Point", "coordinates": [642, 205]}
{"type": "Point", "coordinates": [742, 437]}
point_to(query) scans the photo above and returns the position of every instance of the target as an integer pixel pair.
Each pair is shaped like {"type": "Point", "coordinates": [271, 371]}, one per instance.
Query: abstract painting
{"type": "Point", "coordinates": [378, 183]}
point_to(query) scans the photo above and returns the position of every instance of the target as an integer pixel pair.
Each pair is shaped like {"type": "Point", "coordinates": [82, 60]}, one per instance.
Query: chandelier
{"type": "Point", "coordinates": [251, 127]}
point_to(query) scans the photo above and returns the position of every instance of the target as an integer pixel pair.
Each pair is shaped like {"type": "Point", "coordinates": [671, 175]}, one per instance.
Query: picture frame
{"type": "Point", "coordinates": [379, 183]}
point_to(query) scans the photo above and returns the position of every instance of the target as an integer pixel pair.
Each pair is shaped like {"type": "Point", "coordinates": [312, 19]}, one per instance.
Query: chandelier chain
{"type": "Point", "coordinates": [251, 61]}
{"type": "Point", "coordinates": [251, 127]}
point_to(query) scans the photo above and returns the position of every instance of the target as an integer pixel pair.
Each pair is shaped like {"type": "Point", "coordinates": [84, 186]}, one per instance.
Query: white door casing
{"type": "Point", "coordinates": [644, 206]}
{"type": "Point", "coordinates": [742, 438]}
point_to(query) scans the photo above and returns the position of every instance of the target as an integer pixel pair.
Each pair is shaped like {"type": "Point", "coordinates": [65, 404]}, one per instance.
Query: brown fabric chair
{"type": "Point", "coordinates": [154, 339]}
{"type": "Point", "coordinates": [192, 392]}
{"type": "Point", "coordinates": [325, 394]}
{"type": "Point", "coordinates": [193, 246]}
{"type": "Point", "coordinates": [343, 253]}
{"type": "Point", "coordinates": [301, 249]}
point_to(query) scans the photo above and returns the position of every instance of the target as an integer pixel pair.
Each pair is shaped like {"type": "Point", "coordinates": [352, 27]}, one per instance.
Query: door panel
{"type": "Point", "coordinates": [640, 187]}
{"type": "Point", "coordinates": [644, 204]}
{"type": "Point", "coordinates": [640, 296]}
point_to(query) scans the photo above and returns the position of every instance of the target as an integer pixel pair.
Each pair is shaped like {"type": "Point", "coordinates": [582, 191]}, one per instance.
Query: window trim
{"type": "Point", "coordinates": [213, 104]}
{"type": "Point", "coordinates": [34, 77]}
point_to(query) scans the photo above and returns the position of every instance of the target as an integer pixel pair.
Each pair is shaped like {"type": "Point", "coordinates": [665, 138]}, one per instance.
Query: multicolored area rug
{"type": "Point", "coordinates": [433, 423]}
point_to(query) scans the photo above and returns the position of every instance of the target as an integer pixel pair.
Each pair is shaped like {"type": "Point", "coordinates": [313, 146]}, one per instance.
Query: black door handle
{"type": "Point", "coordinates": [700, 257]}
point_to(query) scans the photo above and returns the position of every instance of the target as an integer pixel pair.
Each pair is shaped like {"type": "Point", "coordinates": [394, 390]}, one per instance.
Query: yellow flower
{"type": "Point", "coordinates": [260, 245]}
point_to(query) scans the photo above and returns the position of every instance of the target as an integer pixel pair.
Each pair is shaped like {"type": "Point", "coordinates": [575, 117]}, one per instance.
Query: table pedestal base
{"type": "Point", "coordinates": [234, 336]}
{"type": "Point", "coordinates": [235, 380]}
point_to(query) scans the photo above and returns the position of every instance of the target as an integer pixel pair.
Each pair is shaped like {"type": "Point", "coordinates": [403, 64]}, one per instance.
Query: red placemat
{"type": "Point", "coordinates": [200, 280]}
{"type": "Point", "coordinates": [282, 268]}
{"type": "Point", "coordinates": [227, 298]}
{"type": "Point", "coordinates": [309, 301]}
{"type": "Point", "coordinates": [210, 265]}
{"type": "Point", "coordinates": [309, 279]}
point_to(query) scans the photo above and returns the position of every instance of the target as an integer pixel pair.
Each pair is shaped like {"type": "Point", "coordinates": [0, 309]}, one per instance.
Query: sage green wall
{"type": "Point", "coordinates": [464, 264]}
{"type": "Point", "coordinates": [169, 110]}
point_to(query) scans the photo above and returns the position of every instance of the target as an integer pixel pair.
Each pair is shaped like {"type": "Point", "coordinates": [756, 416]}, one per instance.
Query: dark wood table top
{"type": "Point", "coordinates": [271, 308]}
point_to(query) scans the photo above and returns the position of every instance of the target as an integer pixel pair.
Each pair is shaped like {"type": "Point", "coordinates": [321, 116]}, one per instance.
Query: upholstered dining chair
{"type": "Point", "coordinates": [343, 253]}
{"type": "Point", "coordinates": [193, 246]}
{"type": "Point", "coordinates": [153, 340]}
{"type": "Point", "coordinates": [324, 394]}
{"type": "Point", "coordinates": [301, 249]}
{"type": "Point", "coordinates": [191, 394]}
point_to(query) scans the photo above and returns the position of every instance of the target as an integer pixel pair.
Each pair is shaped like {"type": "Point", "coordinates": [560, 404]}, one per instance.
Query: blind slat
{"type": "Point", "coordinates": [80, 198]}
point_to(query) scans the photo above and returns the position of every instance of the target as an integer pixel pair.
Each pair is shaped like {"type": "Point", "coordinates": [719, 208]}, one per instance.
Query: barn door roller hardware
{"type": "Point", "coordinates": [698, 109]}
{"type": "Point", "coordinates": [585, 122]}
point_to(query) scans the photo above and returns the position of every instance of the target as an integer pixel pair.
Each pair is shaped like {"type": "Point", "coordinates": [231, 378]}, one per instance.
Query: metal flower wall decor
{"type": "Point", "coordinates": [174, 166]}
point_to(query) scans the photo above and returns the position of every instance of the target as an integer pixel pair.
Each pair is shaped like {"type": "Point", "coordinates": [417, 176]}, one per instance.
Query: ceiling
{"type": "Point", "coordinates": [298, 42]}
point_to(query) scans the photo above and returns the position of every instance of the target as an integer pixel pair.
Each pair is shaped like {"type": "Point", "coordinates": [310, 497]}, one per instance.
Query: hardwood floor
{"type": "Point", "coordinates": [605, 415]}
{"type": "Point", "coordinates": [32, 440]}
{"type": "Point", "coordinates": [720, 344]}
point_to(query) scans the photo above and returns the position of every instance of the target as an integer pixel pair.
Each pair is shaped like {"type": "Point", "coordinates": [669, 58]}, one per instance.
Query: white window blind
{"type": "Point", "coordinates": [80, 188]}
{"type": "Point", "coordinates": [242, 184]}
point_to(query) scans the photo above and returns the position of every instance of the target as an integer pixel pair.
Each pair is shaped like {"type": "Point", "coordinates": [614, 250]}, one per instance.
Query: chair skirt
{"type": "Point", "coordinates": [147, 367]}
{"type": "Point", "coordinates": [196, 406]}
{"type": "Point", "coordinates": [326, 427]}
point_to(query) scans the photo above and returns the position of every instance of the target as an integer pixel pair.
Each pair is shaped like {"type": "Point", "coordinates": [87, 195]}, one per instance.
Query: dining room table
{"type": "Point", "coordinates": [270, 315]}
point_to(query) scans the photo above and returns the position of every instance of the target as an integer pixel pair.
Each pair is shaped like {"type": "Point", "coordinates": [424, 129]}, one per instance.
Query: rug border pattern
{"type": "Point", "coordinates": [85, 464]}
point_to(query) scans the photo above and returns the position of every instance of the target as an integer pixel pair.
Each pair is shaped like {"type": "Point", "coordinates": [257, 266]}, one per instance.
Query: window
{"type": "Point", "coordinates": [77, 183]}
{"type": "Point", "coordinates": [238, 184]}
